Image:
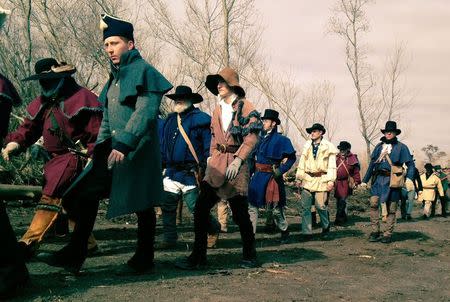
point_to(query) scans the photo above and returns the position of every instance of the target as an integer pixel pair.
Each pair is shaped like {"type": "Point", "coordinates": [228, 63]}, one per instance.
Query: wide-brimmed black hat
{"type": "Point", "coordinates": [113, 26]}
{"type": "Point", "coordinates": [316, 126]}
{"type": "Point", "coordinates": [344, 145]}
{"type": "Point", "coordinates": [391, 126]}
{"type": "Point", "coordinates": [428, 166]}
{"type": "Point", "coordinates": [227, 75]}
{"type": "Point", "coordinates": [49, 68]}
{"type": "Point", "coordinates": [270, 114]}
{"type": "Point", "coordinates": [185, 93]}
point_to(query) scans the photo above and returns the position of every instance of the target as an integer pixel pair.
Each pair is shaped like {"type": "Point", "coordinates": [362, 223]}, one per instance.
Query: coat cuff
{"type": "Point", "coordinates": [128, 139]}
{"type": "Point", "coordinates": [125, 149]}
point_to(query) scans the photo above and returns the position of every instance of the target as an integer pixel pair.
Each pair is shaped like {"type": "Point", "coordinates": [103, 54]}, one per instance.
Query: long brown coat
{"type": "Point", "coordinates": [247, 123]}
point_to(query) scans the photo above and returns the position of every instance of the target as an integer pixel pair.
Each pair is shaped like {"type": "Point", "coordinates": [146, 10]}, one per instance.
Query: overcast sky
{"type": "Point", "coordinates": [295, 39]}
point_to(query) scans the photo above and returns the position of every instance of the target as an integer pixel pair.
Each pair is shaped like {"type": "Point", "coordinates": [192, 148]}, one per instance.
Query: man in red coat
{"type": "Point", "coordinates": [68, 118]}
{"type": "Point", "coordinates": [347, 169]}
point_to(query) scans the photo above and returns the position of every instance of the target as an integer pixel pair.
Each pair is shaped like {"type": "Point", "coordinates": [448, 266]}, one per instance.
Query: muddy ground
{"type": "Point", "coordinates": [415, 267]}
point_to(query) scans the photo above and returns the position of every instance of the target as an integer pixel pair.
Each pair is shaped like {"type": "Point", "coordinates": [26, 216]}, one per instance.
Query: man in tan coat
{"type": "Point", "coordinates": [430, 182]}
{"type": "Point", "coordinates": [235, 125]}
{"type": "Point", "coordinates": [316, 174]}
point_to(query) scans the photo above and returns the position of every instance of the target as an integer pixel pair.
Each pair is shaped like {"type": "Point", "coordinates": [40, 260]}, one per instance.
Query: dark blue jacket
{"type": "Point", "coordinates": [399, 155]}
{"type": "Point", "coordinates": [175, 153]}
{"type": "Point", "coordinates": [271, 150]}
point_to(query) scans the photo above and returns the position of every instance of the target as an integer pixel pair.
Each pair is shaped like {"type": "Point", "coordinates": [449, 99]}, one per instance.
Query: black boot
{"type": "Point", "coordinates": [443, 207]}
{"type": "Point", "coordinates": [142, 260]}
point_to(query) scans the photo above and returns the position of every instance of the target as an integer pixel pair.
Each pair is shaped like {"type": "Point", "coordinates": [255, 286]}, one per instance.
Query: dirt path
{"type": "Point", "coordinates": [416, 267]}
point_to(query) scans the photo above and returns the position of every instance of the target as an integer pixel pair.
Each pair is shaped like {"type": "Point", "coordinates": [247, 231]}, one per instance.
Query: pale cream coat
{"type": "Point", "coordinates": [429, 188]}
{"type": "Point", "coordinates": [324, 162]}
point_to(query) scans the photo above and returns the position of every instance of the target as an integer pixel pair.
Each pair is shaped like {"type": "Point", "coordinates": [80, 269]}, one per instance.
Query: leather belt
{"type": "Point", "coordinates": [223, 148]}
{"type": "Point", "coordinates": [263, 168]}
{"type": "Point", "coordinates": [383, 172]}
{"type": "Point", "coordinates": [316, 174]}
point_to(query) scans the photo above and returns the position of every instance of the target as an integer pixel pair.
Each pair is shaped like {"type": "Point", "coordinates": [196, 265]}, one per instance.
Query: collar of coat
{"type": "Point", "coordinates": [135, 77]}
{"type": "Point", "coordinates": [324, 146]}
{"type": "Point", "coordinates": [81, 100]}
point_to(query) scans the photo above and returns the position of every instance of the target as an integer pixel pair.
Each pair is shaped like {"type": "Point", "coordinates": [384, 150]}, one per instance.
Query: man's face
{"type": "Point", "coordinates": [115, 46]}
{"type": "Point", "coordinates": [181, 105]}
{"type": "Point", "coordinates": [268, 124]}
{"type": "Point", "coordinates": [344, 152]}
{"type": "Point", "coordinates": [316, 134]}
{"type": "Point", "coordinates": [224, 89]}
{"type": "Point", "coordinates": [389, 135]}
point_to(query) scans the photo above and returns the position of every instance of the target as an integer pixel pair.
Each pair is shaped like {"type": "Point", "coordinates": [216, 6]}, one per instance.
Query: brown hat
{"type": "Point", "coordinates": [227, 75]}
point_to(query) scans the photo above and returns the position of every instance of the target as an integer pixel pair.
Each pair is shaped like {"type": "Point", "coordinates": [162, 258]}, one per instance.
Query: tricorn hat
{"type": "Point", "coordinates": [270, 114]}
{"type": "Point", "coordinates": [113, 26]}
{"type": "Point", "coordinates": [185, 93]}
{"type": "Point", "coordinates": [316, 126]}
{"type": "Point", "coordinates": [391, 126]}
{"type": "Point", "coordinates": [344, 145]}
{"type": "Point", "coordinates": [227, 75]}
{"type": "Point", "coordinates": [3, 15]}
{"type": "Point", "coordinates": [49, 68]}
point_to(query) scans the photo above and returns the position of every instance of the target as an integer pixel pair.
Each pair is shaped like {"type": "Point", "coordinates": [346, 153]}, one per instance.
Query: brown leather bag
{"type": "Point", "coordinates": [199, 172]}
{"type": "Point", "coordinates": [397, 175]}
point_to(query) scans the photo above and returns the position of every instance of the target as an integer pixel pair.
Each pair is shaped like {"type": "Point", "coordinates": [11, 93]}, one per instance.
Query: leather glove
{"type": "Point", "coordinates": [409, 185]}
{"type": "Point", "coordinates": [276, 172]}
{"type": "Point", "coordinates": [233, 168]}
{"type": "Point", "coordinates": [10, 147]}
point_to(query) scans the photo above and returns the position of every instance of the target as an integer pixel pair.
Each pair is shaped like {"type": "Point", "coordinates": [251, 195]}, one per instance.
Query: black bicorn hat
{"type": "Point", "coordinates": [391, 126]}
{"type": "Point", "coordinates": [344, 145]}
{"type": "Point", "coordinates": [113, 26]}
{"type": "Point", "coordinates": [316, 126]}
{"type": "Point", "coordinates": [270, 114]}
{"type": "Point", "coordinates": [50, 68]}
{"type": "Point", "coordinates": [185, 93]}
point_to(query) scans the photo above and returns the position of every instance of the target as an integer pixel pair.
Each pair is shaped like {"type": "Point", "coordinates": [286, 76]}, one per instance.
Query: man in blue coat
{"type": "Point", "coordinates": [389, 150]}
{"type": "Point", "coordinates": [274, 155]}
{"type": "Point", "coordinates": [183, 160]}
{"type": "Point", "coordinates": [126, 163]}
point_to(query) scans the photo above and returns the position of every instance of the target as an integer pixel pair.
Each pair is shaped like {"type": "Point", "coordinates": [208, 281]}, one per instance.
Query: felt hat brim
{"type": "Point", "coordinates": [195, 98]}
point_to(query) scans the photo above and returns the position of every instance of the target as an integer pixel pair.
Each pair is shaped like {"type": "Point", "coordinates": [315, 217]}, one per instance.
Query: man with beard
{"type": "Point", "coordinates": [68, 118]}
{"type": "Point", "coordinates": [126, 165]}
{"type": "Point", "coordinates": [388, 155]}
{"type": "Point", "coordinates": [274, 155]}
{"type": "Point", "coordinates": [185, 138]}
{"type": "Point", "coordinates": [13, 272]}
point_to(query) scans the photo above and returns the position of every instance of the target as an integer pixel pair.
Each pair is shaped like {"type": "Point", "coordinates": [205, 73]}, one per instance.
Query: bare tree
{"type": "Point", "coordinates": [349, 22]}
{"type": "Point", "coordinates": [433, 153]}
{"type": "Point", "coordinates": [210, 36]}
{"type": "Point", "coordinates": [393, 86]}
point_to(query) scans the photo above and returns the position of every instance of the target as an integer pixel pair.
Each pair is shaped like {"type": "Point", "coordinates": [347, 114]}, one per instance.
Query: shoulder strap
{"type": "Point", "coordinates": [389, 160]}
{"type": "Point", "coordinates": [342, 163]}
{"type": "Point", "coordinates": [186, 139]}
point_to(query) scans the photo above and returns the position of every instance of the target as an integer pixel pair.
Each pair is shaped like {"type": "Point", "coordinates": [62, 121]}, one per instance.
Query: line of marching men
{"type": "Point", "coordinates": [115, 146]}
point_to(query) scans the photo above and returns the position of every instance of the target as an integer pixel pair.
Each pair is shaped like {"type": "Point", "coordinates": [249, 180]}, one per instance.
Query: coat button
{"type": "Point", "coordinates": [113, 132]}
